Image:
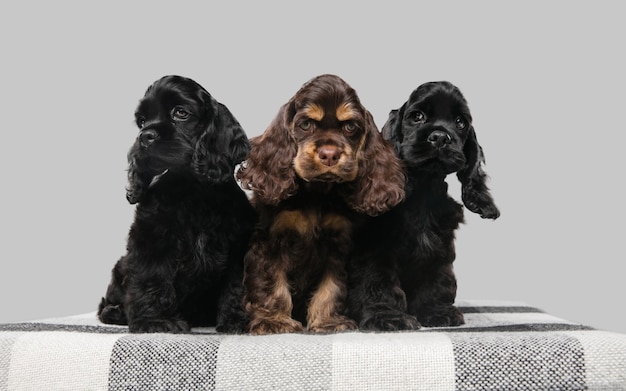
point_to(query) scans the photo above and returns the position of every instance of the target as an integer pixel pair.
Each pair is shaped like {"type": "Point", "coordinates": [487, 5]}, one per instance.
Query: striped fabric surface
{"type": "Point", "coordinates": [503, 346]}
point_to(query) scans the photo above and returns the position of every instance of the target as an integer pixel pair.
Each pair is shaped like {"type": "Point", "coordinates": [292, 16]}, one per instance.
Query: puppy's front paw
{"type": "Point", "coordinates": [158, 326]}
{"type": "Point", "coordinates": [336, 324]}
{"type": "Point", "coordinates": [233, 325]}
{"type": "Point", "coordinates": [441, 316]}
{"type": "Point", "coordinates": [274, 326]}
{"type": "Point", "coordinates": [389, 321]}
{"type": "Point", "coordinates": [112, 314]}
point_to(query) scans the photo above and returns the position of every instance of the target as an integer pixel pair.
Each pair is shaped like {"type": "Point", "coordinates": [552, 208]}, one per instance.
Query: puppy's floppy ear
{"type": "Point", "coordinates": [475, 193]}
{"type": "Point", "coordinates": [136, 185]}
{"type": "Point", "coordinates": [268, 170]}
{"type": "Point", "coordinates": [380, 181]}
{"type": "Point", "coordinates": [235, 142]}
{"type": "Point", "coordinates": [392, 129]}
{"type": "Point", "coordinates": [222, 145]}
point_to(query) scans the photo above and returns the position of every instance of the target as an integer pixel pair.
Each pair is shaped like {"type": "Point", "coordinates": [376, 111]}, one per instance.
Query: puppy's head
{"type": "Point", "coordinates": [183, 130]}
{"type": "Point", "coordinates": [324, 134]}
{"type": "Point", "coordinates": [433, 132]}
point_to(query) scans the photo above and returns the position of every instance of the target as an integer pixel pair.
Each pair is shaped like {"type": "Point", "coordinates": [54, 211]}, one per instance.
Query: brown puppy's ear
{"type": "Point", "coordinates": [474, 190]}
{"type": "Point", "coordinates": [222, 145]}
{"type": "Point", "coordinates": [379, 184]}
{"type": "Point", "coordinates": [268, 171]}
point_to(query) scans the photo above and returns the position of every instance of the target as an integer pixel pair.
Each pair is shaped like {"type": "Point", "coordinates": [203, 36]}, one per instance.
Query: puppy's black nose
{"type": "Point", "coordinates": [147, 137]}
{"type": "Point", "coordinates": [439, 139]}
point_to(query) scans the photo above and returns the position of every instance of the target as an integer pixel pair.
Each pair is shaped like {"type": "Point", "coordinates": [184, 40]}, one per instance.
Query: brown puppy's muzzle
{"type": "Point", "coordinates": [329, 155]}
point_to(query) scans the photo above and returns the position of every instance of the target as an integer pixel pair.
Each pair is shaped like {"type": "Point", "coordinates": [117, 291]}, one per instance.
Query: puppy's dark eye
{"type": "Point", "coordinates": [350, 128]}
{"type": "Point", "coordinates": [141, 121]}
{"type": "Point", "coordinates": [419, 117]}
{"type": "Point", "coordinates": [305, 125]}
{"type": "Point", "coordinates": [460, 123]}
{"type": "Point", "coordinates": [180, 114]}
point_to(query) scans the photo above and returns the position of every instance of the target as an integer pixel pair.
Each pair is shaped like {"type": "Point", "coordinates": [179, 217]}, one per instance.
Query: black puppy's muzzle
{"type": "Point", "coordinates": [439, 139]}
{"type": "Point", "coordinates": [147, 137]}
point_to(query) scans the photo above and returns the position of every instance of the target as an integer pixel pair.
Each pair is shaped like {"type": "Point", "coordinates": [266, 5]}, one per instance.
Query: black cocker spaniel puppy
{"type": "Point", "coordinates": [402, 265]}
{"type": "Point", "coordinates": [318, 169]}
{"type": "Point", "coordinates": [184, 260]}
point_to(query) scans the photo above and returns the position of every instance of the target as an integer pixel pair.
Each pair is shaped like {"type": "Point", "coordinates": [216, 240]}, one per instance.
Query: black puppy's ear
{"type": "Point", "coordinates": [222, 145]}
{"type": "Point", "coordinates": [475, 193]}
{"type": "Point", "coordinates": [392, 129]}
{"type": "Point", "coordinates": [233, 141]}
{"type": "Point", "coordinates": [136, 186]}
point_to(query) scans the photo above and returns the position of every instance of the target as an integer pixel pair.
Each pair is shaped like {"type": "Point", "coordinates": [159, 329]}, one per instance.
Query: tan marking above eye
{"type": "Point", "coordinates": [314, 112]}
{"type": "Point", "coordinates": [345, 112]}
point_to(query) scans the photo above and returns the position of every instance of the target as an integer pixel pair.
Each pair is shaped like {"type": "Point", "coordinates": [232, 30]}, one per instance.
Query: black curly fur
{"type": "Point", "coordinates": [183, 265]}
{"type": "Point", "coordinates": [401, 270]}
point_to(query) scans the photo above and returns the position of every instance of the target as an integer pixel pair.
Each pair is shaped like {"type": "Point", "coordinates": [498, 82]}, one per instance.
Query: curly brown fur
{"type": "Point", "coordinates": [184, 260]}
{"type": "Point", "coordinates": [316, 172]}
{"type": "Point", "coordinates": [402, 266]}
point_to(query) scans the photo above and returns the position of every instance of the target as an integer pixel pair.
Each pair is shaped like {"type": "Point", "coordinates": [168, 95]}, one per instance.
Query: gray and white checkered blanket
{"type": "Point", "coordinates": [503, 346]}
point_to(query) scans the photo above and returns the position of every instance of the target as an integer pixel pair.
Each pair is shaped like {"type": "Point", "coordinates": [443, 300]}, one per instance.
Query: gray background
{"type": "Point", "coordinates": [545, 82]}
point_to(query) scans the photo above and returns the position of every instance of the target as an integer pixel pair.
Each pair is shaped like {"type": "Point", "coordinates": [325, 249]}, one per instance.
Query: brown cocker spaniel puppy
{"type": "Point", "coordinates": [402, 267]}
{"type": "Point", "coordinates": [185, 248]}
{"type": "Point", "coordinates": [317, 171]}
